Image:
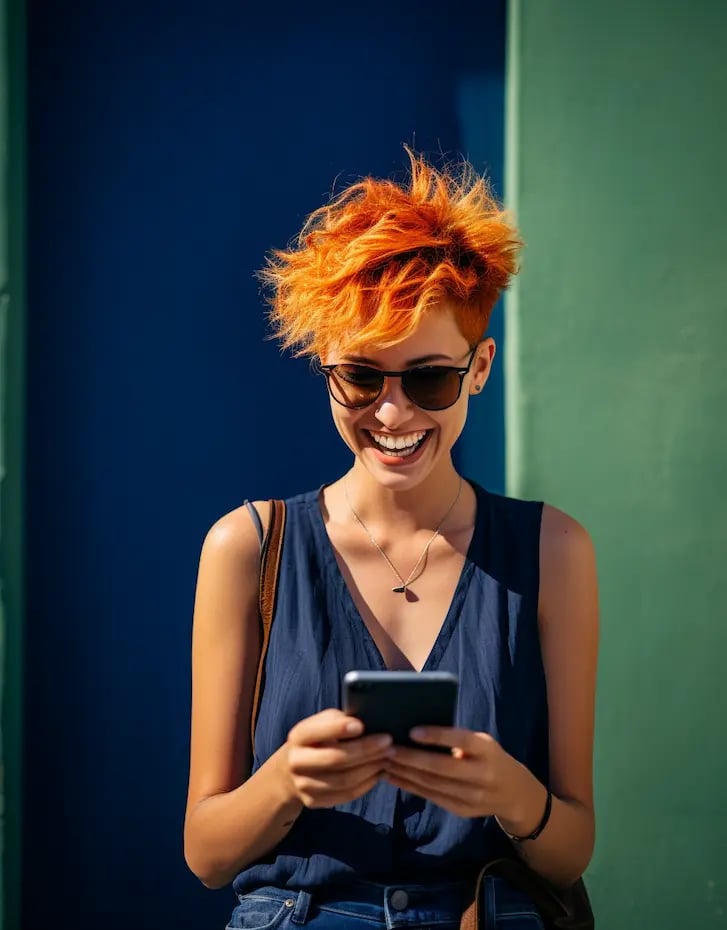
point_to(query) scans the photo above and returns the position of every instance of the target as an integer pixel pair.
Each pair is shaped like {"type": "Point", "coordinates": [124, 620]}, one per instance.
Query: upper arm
{"type": "Point", "coordinates": [225, 651]}
{"type": "Point", "coordinates": [568, 622]}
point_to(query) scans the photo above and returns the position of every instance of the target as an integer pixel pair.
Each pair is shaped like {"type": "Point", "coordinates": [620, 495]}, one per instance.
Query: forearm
{"type": "Point", "coordinates": [563, 850]}
{"type": "Point", "coordinates": [225, 832]}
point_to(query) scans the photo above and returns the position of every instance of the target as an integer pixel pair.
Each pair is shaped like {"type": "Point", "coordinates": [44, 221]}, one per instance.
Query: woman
{"type": "Point", "coordinates": [400, 564]}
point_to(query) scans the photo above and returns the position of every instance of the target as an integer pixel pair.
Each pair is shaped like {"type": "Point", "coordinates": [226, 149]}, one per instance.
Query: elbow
{"type": "Point", "coordinates": [565, 875]}
{"type": "Point", "coordinates": [203, 864]}
{"type": "Point", "coordinates": [579, 863]}
{"type": "Point", "coordinates": [209, 873]}
{"type": "Point", "coordinates": [214, 882]}
{"type": "Point", "coordinates": [566, 879]}
{"type": "Point", "coordinates": [589, 845]}
{"type": "Point", "coordinates": [570, 855]}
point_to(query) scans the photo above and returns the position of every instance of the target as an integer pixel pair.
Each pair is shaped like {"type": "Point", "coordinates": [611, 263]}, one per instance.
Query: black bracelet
{"type": "Point", "coordinates": [540, 827]}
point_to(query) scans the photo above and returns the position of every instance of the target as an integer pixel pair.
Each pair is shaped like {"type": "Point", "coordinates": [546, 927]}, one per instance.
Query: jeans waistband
{"type": "Point", "coordinates": [375, 892]}
{"type": "Point", "coordinates": [396, 905]}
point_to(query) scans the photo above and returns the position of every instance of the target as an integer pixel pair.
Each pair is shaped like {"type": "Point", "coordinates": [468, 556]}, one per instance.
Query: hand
{"type": "Point", "coordinates": [477, 779]}
{"type": "Point", "coordinates": [329, 762]}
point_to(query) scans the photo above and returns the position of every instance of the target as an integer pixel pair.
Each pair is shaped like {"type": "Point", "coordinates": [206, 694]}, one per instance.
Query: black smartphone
{"type": "Point", "coordinates": [395, 702]}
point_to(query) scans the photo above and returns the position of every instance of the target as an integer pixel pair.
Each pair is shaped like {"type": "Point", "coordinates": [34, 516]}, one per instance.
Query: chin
{"type": "Point", "coordinates": [397, 480]}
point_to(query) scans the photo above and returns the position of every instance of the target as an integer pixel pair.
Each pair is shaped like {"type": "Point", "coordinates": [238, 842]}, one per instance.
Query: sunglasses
{"type": "Point", "coordinates": [431, 387]}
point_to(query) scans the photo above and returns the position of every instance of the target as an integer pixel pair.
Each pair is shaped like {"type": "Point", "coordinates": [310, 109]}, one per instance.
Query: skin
{"type": "Point", "coordinates": [232, 820]}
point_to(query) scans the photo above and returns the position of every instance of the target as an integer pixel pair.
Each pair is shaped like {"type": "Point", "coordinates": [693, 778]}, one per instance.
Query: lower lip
{"type": "Point", "coordinates": [398, 461]}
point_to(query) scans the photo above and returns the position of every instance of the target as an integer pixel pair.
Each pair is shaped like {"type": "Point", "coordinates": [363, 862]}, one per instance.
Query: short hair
{"type": "Point", "coordinates": [368, 264]}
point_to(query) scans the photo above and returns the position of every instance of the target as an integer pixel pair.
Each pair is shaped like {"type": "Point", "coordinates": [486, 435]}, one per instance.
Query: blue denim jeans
{"type": "Point", "coordinates": [370, 906]}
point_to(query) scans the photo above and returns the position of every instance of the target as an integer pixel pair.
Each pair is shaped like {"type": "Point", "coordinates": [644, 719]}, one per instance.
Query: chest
{"type": "Point", "coordinates": [404, 626]}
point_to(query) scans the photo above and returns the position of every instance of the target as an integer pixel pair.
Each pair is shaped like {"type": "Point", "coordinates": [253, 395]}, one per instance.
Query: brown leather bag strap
{"type": "Point", "coordinates": [471, 914]}
{"type": "Point", "coordinates": [559, 909]}
{"type": "Point", "coordinates": [271, 549]}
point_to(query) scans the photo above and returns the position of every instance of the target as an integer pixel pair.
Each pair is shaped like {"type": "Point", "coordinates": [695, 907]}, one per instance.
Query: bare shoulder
{"type": "Point", "coordinates": [563, 540]}
{"type": "Point", "coordinates": [234, 535]}
{"type": "Point", "coordinates": [229, 567]}
{"type": "Point", "coordinates": [567, 559]}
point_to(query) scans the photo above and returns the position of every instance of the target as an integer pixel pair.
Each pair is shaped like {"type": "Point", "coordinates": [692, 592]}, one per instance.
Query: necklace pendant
{"type": "Point", "coordinates": [399, 589]}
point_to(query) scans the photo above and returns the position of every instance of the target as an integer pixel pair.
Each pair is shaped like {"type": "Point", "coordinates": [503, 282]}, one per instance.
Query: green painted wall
{"type": "Point", "coordinates": [617, 408]}
{"type": "Point", "coordinates": [12, 148]}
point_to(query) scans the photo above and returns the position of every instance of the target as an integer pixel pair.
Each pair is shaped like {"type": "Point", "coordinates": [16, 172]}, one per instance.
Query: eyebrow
{"type": "Point", "coordinates": [412, 363]}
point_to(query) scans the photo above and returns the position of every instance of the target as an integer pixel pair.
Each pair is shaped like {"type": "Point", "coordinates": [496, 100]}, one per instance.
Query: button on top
{"type": "Point", "coordinates": [383, 829]}
{"type": "Point", "coordinates": [399, 899]}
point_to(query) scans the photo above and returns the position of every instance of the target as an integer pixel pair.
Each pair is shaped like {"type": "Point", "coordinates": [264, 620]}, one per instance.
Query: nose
{"type": "Point", "coordinates": [394, 409]}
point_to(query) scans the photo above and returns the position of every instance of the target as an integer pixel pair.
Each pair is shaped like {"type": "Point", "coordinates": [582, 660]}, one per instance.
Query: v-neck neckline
{"type": "Point", "coordinates": [451, 616]}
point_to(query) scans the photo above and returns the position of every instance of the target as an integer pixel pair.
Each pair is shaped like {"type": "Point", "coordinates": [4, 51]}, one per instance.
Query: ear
{"type": "Point", "coordinates": [482, 365]}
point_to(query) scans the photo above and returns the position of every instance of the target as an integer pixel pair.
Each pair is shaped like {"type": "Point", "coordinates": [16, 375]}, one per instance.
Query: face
{"type": "Point", "coordinates": [427, 436]}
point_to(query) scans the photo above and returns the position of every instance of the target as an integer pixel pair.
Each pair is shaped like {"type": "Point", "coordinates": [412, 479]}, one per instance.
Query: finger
{"type": "Point", "coordinates": [430, 780]}
{"type": "Point", "coordinates": [453, 737]}
{"type": "Point", "coordinates": [455, 773]}
{"type": "Point", "coordinates": [467, 784]}
{"type": "Point", "coordinates": [345, 785]}
{"type": "Point", "coordinates": [331, 798]}
{"type": "Point", "coordinates": [340, 756]}
{"type": "Point", "coordinates": [341, 781]}
{"type": "Point", "coordinates": [455, 803]}
{"type": "Point", "coordinates": [327, 726]}
{"type": "Point", "coordinates": [425, 760]}
{"type": "Point", "coordinates": [357, 792]}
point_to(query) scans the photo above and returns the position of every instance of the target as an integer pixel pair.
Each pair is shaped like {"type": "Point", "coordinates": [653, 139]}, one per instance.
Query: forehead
{"type": "Point", "coordinates": [436, 335]}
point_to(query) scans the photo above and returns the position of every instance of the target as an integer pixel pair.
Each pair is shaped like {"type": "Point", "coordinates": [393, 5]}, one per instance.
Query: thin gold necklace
{"type": "Point", "coordinates": [414, 573]}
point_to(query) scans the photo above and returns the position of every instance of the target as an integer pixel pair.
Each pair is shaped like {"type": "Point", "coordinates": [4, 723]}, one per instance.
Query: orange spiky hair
{"type": "Point", "coordinates": [367, 265]}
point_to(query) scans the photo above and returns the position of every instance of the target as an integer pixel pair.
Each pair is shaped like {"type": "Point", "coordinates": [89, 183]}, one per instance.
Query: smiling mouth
{"type": "Point", "coordinates": [398, 446]}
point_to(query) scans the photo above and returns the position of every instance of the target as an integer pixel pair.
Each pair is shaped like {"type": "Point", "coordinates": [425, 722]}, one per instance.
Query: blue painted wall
{"type": "Point", "coordinates": [171, 145]}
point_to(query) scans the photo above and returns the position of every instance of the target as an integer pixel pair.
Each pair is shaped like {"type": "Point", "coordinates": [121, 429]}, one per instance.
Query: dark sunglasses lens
{"type": "Point", "coordinates": [355, 385]}
{"type": "Point", "coordinates": [432, 388]}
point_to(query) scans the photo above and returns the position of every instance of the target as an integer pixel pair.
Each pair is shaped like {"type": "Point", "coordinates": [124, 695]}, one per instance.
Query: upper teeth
{"type": "Point", "coordinates": [398, 442]}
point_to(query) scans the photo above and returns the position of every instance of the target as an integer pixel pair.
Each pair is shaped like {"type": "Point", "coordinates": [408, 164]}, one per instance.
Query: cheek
{"type": "Point", "coordinates": [343, 421]}
{"type": "Point", "coordinates": [456, 425]}
{"type": "Point", "coordinates": [457, 418]}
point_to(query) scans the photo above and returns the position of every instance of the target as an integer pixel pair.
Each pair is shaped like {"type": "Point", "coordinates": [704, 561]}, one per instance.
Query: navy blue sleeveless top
{"type": "Point", "coordinates": [489, 639]}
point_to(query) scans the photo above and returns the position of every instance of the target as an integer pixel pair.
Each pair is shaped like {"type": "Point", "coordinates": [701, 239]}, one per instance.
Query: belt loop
{"type": "Point", "coordinates": [300, 912]}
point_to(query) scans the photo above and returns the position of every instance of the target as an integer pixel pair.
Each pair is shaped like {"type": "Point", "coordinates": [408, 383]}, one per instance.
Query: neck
{"type": "Point", "coordinates": [419, 507]}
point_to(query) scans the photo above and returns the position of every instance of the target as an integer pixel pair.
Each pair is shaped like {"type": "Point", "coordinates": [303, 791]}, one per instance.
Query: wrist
{"type": "Point", "coordinates": [288, 801]}
{"type": "Point", "coordinates": [529, 810]}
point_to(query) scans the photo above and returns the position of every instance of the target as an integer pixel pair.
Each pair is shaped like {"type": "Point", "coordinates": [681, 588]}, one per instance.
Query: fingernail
{"type": "Point", "coordinates": [383, 741]}
{"type": "Point", "coordinates": [354, 727]}
{"type": "Point", "coordinates": [418, 733]}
